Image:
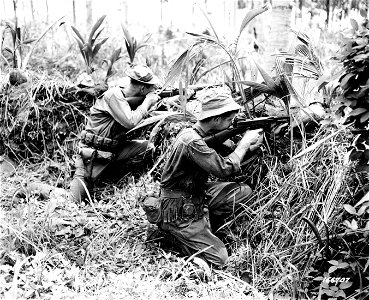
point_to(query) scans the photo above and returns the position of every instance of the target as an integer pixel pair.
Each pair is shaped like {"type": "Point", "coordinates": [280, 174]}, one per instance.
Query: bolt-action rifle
{"type": "Point", "coordinates": [134, 102]}
{"type": "Point", "coordinates": [241, 124]}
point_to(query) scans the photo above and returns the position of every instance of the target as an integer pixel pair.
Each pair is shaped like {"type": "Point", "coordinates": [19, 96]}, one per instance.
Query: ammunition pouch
{"type": "Point", "coordinates": [181, 209]}
{"type": "Point", "coordinates": [91, 157]}
{"type": "Point", "coordinates": [98, 142]}
{"type": "Point", "coordinates": [178, 209]}
{"type": "Point", "coordinates": [152, 208]}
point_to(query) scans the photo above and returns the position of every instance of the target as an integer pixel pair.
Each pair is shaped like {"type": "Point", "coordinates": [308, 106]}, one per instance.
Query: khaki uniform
{"type": "Point", "coordinates": [103, 144]}
{"type": "Point", "coordinates": [192, 208]}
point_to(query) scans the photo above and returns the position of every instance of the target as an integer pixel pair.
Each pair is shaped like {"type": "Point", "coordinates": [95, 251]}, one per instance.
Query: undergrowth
{"type": "Point", "coordinates": [55, 247]}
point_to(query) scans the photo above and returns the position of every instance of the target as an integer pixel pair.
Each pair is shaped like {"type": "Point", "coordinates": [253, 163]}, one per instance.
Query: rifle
{"type": "Point", "coordinates": [241, 124]}
{"type": "Point", "coordinates": [134, 102]}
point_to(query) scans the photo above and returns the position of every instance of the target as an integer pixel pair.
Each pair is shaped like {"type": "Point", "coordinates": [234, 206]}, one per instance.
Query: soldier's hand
{"type": "Point", "coordinates": [252, 138]}
{"type": "Point", "coordinates": [255, 146]}
{"type": "Point", "coordinates": [151, 98]}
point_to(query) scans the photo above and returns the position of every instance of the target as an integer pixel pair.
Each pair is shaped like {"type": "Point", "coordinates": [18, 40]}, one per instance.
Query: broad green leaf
{"type": "Point", "coordinates": [354, 225]}
{"type": "Point", "coordinates": [362, 210]}
{"type": "Point", "coordinates": [333, 262]}
{"type": "Point", "coordinates": [332, 269]}
{"type": "Point", "coordinates": [345, 285]}
{"type": "Point", "coordinates": [364, 199]}
{"type": "Point", "coordinates": [355, 154]}
{"type": "Point", "coordinates": [347, 223]}
{"type": "Point", "coordinates": [350, 209]}
{"type": "Point", "coordinates": [354, 24]}
{"type": "Point", "coordinates": [318, 278]}
{"type": "Point", "coordinates": [342, 265]}
{"type": "Point", "coordinates": [358, 111]}
{"type": "Point", "coordinates": [340, 294]}
{"type": "Point", "coordinates": [344, 81]}
{"type": "Point", "coordinates": [364, 117]}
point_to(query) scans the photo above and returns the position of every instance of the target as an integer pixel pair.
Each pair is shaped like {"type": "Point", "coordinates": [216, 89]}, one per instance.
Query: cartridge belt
{"type": "Point", "coordinates": [98, 142]}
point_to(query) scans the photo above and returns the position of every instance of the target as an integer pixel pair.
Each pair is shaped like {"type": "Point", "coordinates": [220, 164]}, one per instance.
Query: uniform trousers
{"type": "Point", "coordinates": [133, 152]}
{"type": "Point", "coordinates": [223, 198]}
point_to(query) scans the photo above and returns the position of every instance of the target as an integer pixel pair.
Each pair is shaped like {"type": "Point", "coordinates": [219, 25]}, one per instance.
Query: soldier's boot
{"type": "Point", "coordinates": [79, 190]}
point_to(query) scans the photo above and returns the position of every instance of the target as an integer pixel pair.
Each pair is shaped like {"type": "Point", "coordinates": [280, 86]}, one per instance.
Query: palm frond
{"type": "Point", "coordinates": [211, 25]}
{"type": "Point", "coordinates": [95, 27]}
{"type": "Point", "coordinates": [177, 67]}
{"type": "Point", "coordinates": [267, 78]}
{"type": "Point", "coordinates": [301, 63]}
{"type": "Point", "coordinates": [204, 37]}
{"type": "Point", "coordinates": [80, 38]}
{"type": "Point", "coordinates": [97, 47]}
{"type": "Point", "coordinates": [302, 50]}
{"type": "Point", "coordinates": [251, 15]}
{"type": "Point", "coordinates": [304, 38]}
{"type": "Point", "coordinates": [259, 86]}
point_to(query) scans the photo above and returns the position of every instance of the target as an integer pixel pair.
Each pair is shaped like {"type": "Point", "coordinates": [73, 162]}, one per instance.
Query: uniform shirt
{"type": "Point", "coordinates": [191, 161]}
{"type": "Point", "coordinates": [111, 116]}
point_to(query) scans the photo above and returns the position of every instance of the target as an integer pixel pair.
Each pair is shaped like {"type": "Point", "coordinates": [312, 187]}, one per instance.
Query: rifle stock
{"type": "Point", "coordinates": [240, 125]}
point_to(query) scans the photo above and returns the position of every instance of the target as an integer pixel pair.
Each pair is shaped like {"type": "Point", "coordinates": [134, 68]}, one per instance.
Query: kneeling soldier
{"type": "Point", "coordinates": [102, 142]}
{"type": "Point", "coordinates": [191, 207]}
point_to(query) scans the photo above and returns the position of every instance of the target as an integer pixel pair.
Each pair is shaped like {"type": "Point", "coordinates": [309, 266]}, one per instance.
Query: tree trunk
{"type": "Point", "coordinates": [279, 35]}
{"type": "Point", "coordinates": [301, 4]}
{"type": "Point", "coordinates": [74, 12]}
{"type": "Point", "coordinates": [32, 11]}
{"type": "Point", "coordinates": [89, 12]}
{"type": "Point", "coordinates": [327, 10]}
{"type": "Point", "coordinates": [47, 11]}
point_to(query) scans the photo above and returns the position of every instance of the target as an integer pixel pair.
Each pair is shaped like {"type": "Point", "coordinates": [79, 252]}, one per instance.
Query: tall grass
{"type": "Point", "coordinates": [275, 244]}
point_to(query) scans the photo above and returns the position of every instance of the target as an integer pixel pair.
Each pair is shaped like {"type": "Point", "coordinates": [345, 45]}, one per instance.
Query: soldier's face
{"type": "Point", "coordinates": [222, 123]}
